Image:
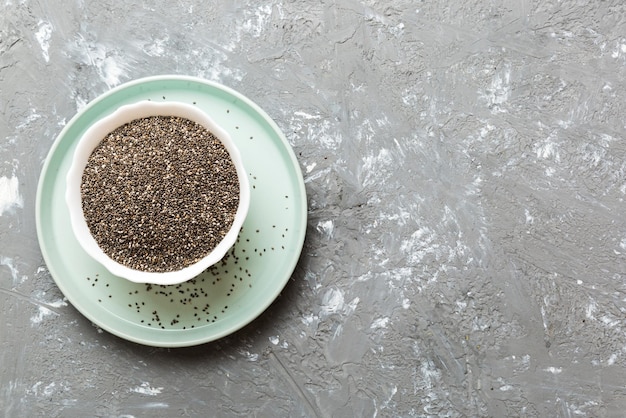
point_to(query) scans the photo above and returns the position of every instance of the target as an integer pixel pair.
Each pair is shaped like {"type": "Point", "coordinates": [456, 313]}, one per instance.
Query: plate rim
{"type": "Point", "coordinates": [262, 307]}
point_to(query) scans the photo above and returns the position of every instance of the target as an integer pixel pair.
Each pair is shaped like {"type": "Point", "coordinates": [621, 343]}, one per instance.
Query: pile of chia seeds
{"type": "Point", "coordinates": [159, 193]}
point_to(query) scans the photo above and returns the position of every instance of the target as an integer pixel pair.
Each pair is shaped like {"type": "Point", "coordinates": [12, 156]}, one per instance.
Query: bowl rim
{"type": "Point", "coordinates": [94, 135]}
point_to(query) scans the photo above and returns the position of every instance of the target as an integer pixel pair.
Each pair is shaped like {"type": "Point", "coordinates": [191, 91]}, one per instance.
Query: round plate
{"type": "Point", "coordinates": [225, 297]}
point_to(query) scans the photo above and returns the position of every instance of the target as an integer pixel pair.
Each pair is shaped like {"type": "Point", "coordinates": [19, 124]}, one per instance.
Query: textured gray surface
{"type": "Point", "coordinates": [465, 164]}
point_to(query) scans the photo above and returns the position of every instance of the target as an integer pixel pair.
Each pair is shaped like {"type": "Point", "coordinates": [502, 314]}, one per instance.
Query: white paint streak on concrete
{"type": "Point", "coordinates": [400, 216]}
{"type": "Point", "coordinates": [380, 323]}
{"type": "Point", "coordinates": [317, 175]}
{"type": "Point", "coordinates": [80, 103]}
{"type": "Point", "coordinates": [328, 139]}
{"type": "Point", "coordinates": [111, 71]}
{"type": "Point", "coordinates": [35, 388]}
{"type": "Point", "coordinates": [49, 389]}
{"type": "Point", "coordinates": [254, 23]}
{"type": "Point", "coordinates": [609, 322]}
{"type": "Point", "coordinates": [215, 67]}
{"type": "Point", "coordinates": [385, 404]}
{"type": "Point", "coordinates": [33, 116]}
{"type": "Point", "coordinates": [529, 218]}
{"type": "Point", "coordinates": [155, 405]}
{"type": "Point", "coordinates": [499, 91]}
{"type": "Point", "coordinates": [43, 36]}
{"type": "Point", "coordinates": [104, 60]}
{"type": "Point", "coordinates": [376, 168]}
{"type": "Point", "coordinates": [474, 189]}
{"type": "Point", "coordinates": [39, 390]}
{"type": "Point", "coordinates": [6, 261]}
{"type": "Point", "coordinates": [58, 304]}
{"type": "Point", "coordinates": [42, 313]}
{"type": "Point", "coordinates": [553, 370]}
{"type": "Point", "coordinates": [156, 48]}
{"type": "Point", "coordinates": [306, 116]}
{"type": "Point", "coordinates": [430, 374]}
{"type": "Point", "coordinates": [352, 305]}
{"type": "Point", "coordinates": [544, 317]}
{"type": "Point", "coordinates": [310, 167]}
{"type": "Point", "coordinates": [612, 359]}
{"type": "Point", "coordinates": [333, 302]}
{"type": "Point", "coordinates": [257, 23]}
{"type": "Point", "coordinates": [326, 227]}
{"type": "Point", "coordinates": [418, 245]}
{"type": "Point", "coordinates": [547, 149]}
{"type": "Point", "coordinates": [10, 196]}
{"type": "Point", "coordinates": [310, 319]}
{"type": "Point", "coordinates": [591, 309]}
{"type": "Point", "coordinates": [619, 50]}
{"type": "Point", "coordinates": [248, 355]}
{"type": "Point", "coordinates": [145, 389]}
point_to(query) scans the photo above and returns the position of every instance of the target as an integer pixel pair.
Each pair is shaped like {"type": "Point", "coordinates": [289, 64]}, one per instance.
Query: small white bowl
{"type": "Point", "coordinates": [88, 142]}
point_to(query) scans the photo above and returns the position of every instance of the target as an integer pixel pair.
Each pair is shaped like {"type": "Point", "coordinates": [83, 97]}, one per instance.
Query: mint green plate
{"type": "Point", "coordinates": [222, 299]}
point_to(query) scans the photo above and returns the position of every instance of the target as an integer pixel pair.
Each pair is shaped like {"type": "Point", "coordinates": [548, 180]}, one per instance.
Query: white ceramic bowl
{"type": "Point", "coordinates": [88, 142]}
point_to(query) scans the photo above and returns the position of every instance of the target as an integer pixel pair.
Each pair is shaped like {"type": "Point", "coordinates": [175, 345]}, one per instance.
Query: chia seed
{"type": "Point", "coordinates": [159, 193]}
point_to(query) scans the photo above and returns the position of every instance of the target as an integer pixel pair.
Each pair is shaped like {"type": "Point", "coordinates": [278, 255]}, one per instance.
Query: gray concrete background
{"type": "Point", "coordinates": [465, 164]}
